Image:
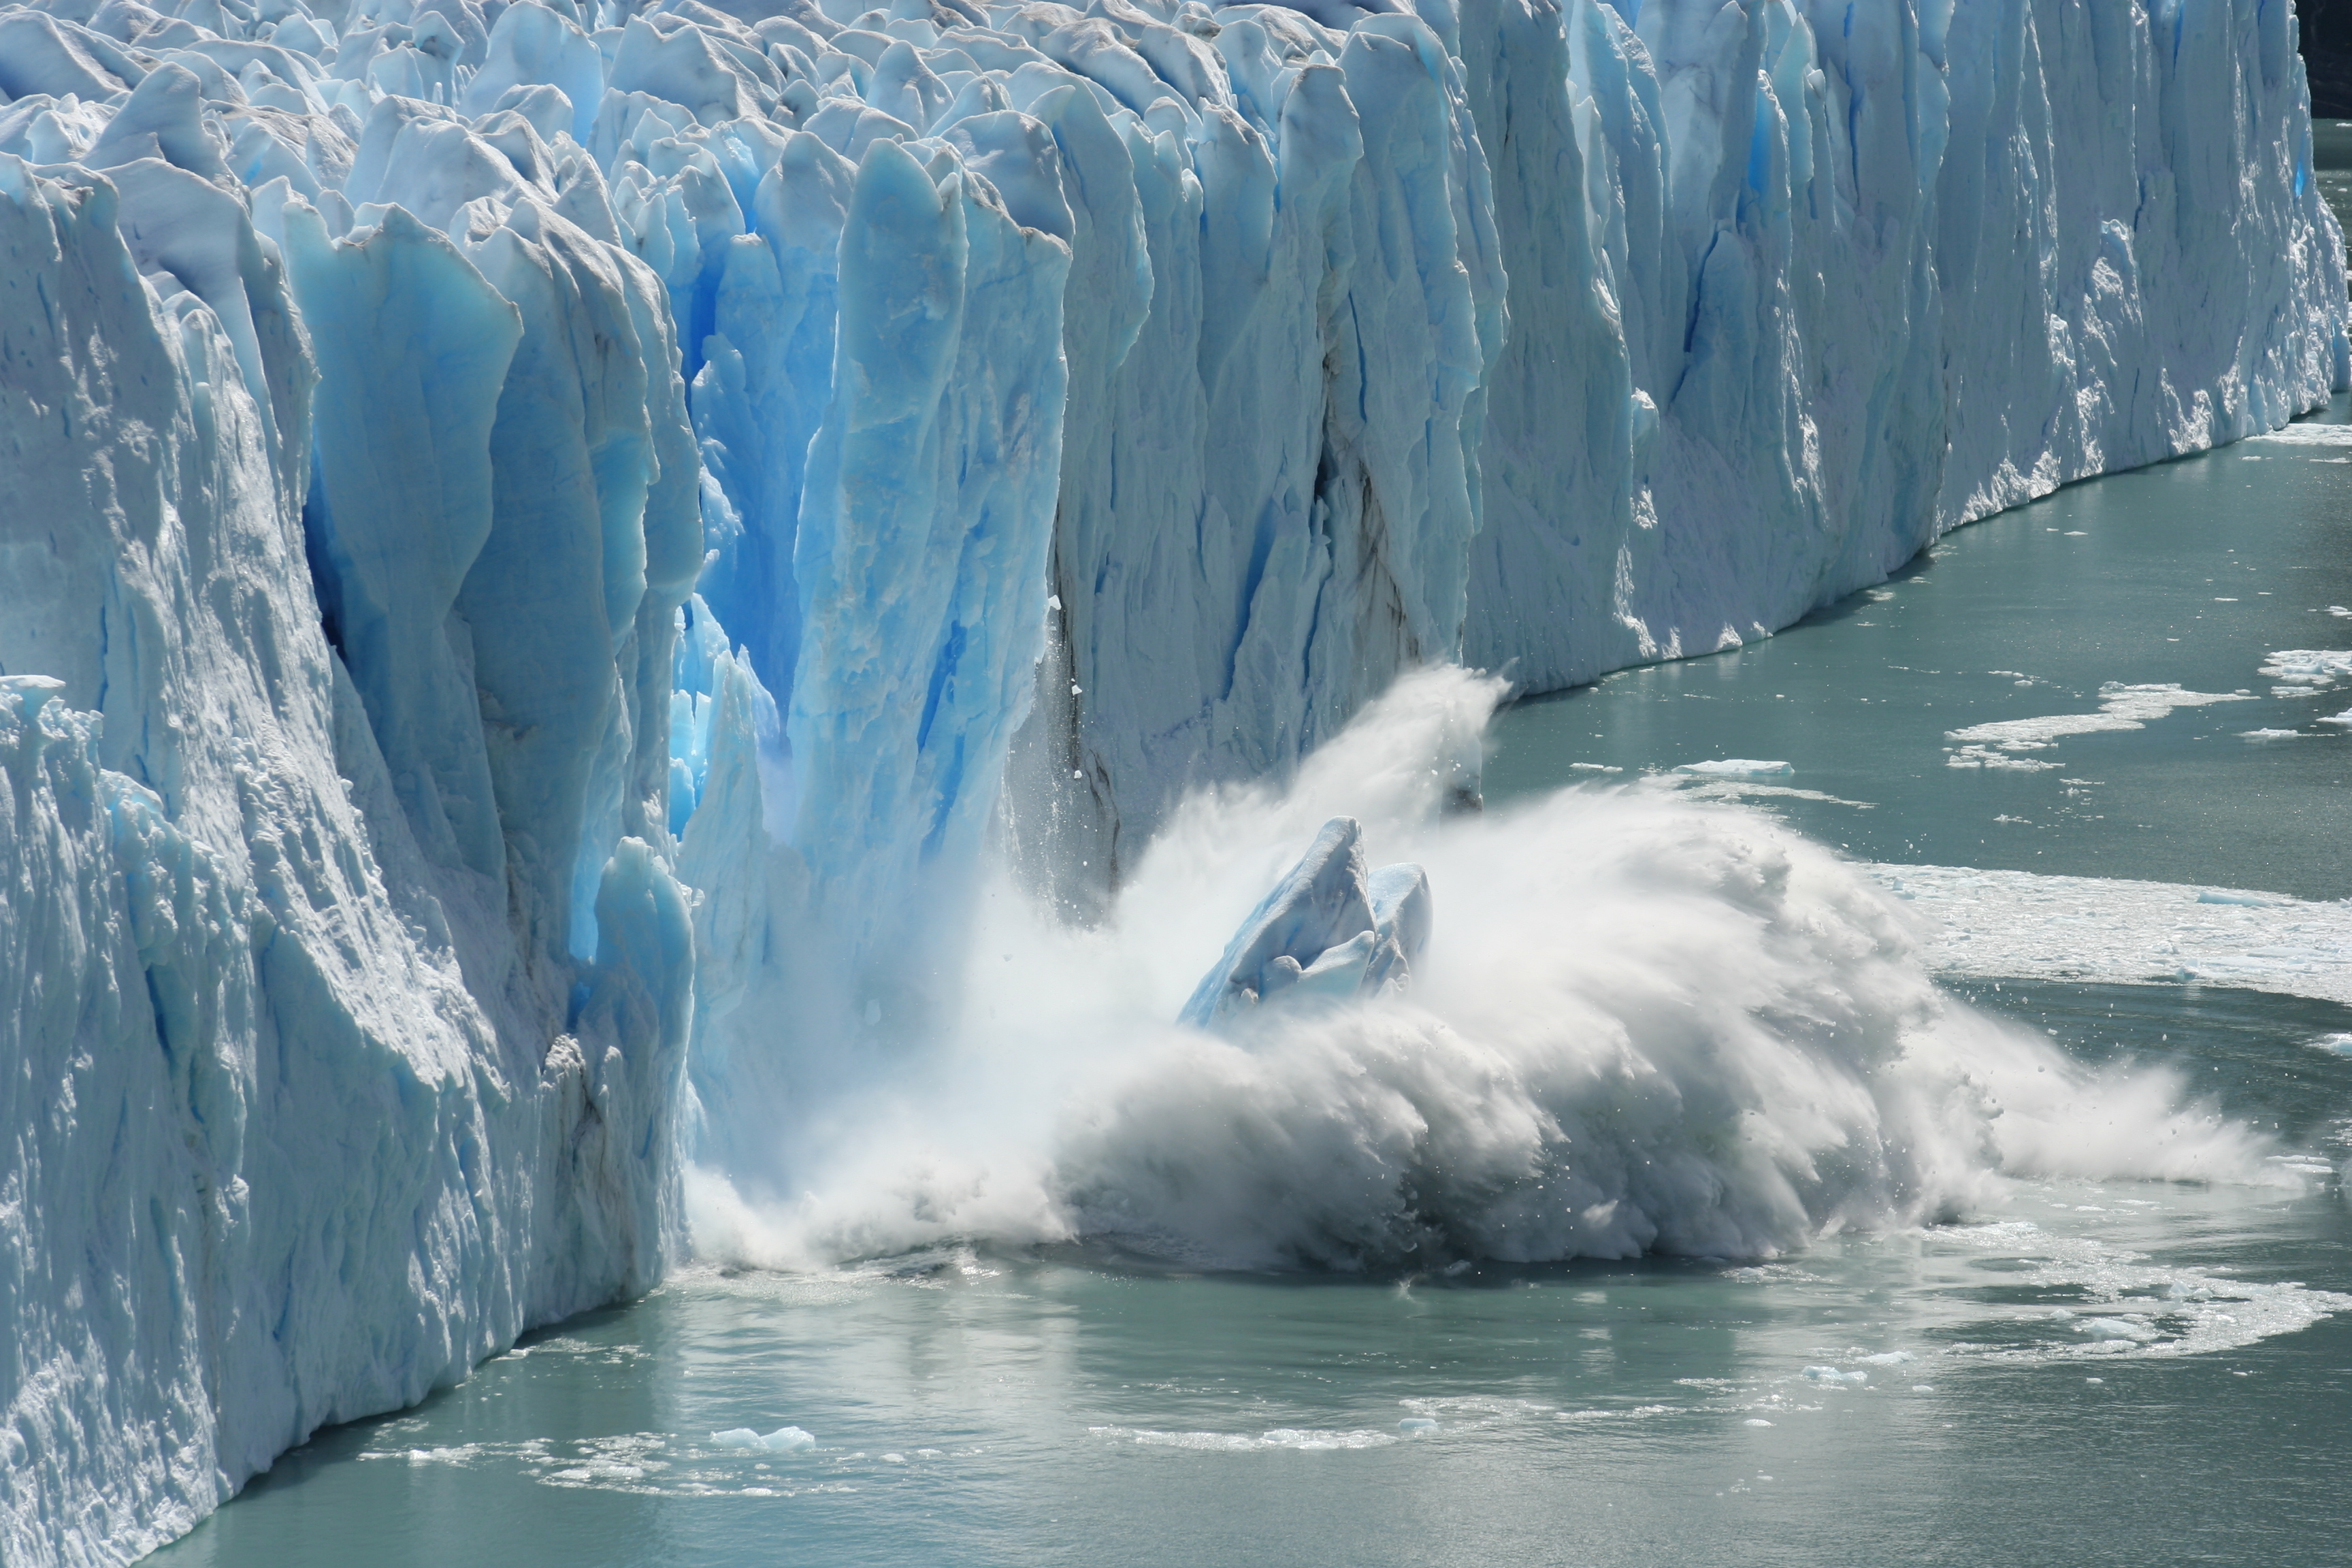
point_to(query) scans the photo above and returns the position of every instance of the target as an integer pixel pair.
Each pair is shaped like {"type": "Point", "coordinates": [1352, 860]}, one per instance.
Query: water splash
{"type": "Point", "coordinates": [1642, 1024]}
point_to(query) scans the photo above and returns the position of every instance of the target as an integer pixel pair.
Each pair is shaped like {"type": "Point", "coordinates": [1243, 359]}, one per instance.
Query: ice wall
{"type": "Point", "coordinates": [561, 530]}
{"type": "Point", "coordinates": [321, 1084]}
{"type": "Point", "coordinates": [1847, 276]}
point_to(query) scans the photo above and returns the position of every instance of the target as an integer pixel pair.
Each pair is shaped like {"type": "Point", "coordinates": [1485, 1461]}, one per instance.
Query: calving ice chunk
{"type": "Point", "coordinates": [1330, 928]}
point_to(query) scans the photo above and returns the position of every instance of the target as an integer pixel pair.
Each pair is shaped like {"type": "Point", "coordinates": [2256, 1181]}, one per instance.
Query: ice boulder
{"type": "Point", "coordinates": [1329, 928]}
{"type": "Point", "coordinates": [783, 1440]}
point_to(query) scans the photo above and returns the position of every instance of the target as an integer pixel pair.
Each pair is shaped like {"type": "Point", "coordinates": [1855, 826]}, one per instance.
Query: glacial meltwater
{"type": "Point", "coordinates": [2099, 746]}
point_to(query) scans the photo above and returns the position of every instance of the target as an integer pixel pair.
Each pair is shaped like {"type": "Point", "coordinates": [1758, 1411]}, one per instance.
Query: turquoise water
{"type": "Point", "coordinates": [2091, 1371]}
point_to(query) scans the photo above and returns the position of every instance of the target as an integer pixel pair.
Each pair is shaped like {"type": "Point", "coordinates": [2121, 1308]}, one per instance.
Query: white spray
{"type": "Point", "coordinates": [1642, 1024]}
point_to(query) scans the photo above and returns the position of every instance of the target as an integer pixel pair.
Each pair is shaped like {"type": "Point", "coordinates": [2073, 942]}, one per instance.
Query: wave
{"type": "Point", "coordinates": [1644, 1023]}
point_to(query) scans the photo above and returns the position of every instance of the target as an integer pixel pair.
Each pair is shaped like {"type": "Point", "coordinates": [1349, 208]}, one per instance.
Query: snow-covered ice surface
{"type": "Point", "coordinates": [2001, 923]}
{"type": "Point", "coordinates": [533, 530]}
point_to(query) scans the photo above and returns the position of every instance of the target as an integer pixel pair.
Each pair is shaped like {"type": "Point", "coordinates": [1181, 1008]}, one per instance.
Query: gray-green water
{"type": "Point", "coordinates": [2189, 574]}
{"type": "Point", "coordinates": [979, 1409]}
{"type": "Point", "coordinates": [2093, 1373]}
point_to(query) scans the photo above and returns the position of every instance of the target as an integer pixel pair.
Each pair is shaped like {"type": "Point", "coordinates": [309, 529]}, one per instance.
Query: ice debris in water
{"type": "Point", "coordinates": [783, 1440]}
{"type": "Point", "coordinates": [1329, 928]}
{"type": "Point", "coordinates": [2121, 707]}
{"type": "Point", "coordinates": [1887, 1358]}
{"type": "Point", "coordinates": [2315, 667]}
{"type": "Point", "coordinates": [1831, 1374]}
{"type": "Point", "coordinates": [1416, 1426]}
{"type": "Point", "coordinates": [2117, 1331]}
{"type": "Point", "coordinates": [1736, 768]}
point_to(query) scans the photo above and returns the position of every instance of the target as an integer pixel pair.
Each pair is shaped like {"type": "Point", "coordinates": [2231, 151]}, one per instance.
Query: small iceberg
{"type": "Point", "coordinates": [1831, 1374]}
{"type": "Point", "coordinates": [1737, 768]}
{"type": "Point", "coordinates": [783, 1440]}
{"type": "Point", "coordinates": [2116, 1330]}
{"type": "Point", "coordinates": [1416, 1426]}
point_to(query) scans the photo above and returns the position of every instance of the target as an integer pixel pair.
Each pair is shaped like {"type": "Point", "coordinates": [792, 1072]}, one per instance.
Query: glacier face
{"type": "Point", "coordinates": [1871, 272]}
{"type": "Point", "coordinates": [541, 540]}
{"type": "Point", "coordinates": [311, 1105]}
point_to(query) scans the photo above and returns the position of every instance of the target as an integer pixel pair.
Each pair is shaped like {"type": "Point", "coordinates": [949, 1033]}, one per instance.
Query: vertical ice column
{"type": "Point", "coordinates": [403, 501]}
{"type": "Point", "coordinates": [244, 952]}
{"type": "Point", "coordinates": [1267, 501]}
{"type": "Point", "coordinates": [921, 550]}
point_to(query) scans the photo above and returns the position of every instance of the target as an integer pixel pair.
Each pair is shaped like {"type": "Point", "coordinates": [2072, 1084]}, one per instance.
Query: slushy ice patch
{"type": "Point", "coordinates": [1638, 1024]}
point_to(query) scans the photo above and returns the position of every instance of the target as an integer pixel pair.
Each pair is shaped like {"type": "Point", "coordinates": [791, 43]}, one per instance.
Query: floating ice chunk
{"type": "Point", "coordinates": [1986, 757]}
{"type": "Point", "coordinates": [783, 1440]}
{"type": "Point", "coordinates": [1416, 1426]}
{"type": "Point", "coordinates": [2343, 717]}
{"type": "Point", "coordinates": [1758, 1421]}
{"type": "Point", "coordinates": [1831, 1374]}
{"type": "Point", "coordinates": [1736, 768]}
{"type": "Point", "coordinates": [2270, 735]}
{"type": "Point", "coordinates": [1923, 1388]}
{"type": "Point", "coordinates": [1887, 1358]}
{"type": "Point", "coordinates": [2309, 434]}
{"type": "Point", "coordinates": [2250, 901]}
{"type": "Point", "coordinates": [2338, 1045]}
{"type": "Point", "coordinates": [2113, 1331]}
{"type": "Point", "coordinates": [2095, 1380]}
{"type": "Point", "coordinates": [2121, 707]}
{"type": "Point", "coordinates": [2314, 668]}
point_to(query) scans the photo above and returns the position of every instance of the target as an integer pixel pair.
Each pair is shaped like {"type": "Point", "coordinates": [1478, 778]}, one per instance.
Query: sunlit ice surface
{"type": "Point", "coordinates": [1290, 1340]}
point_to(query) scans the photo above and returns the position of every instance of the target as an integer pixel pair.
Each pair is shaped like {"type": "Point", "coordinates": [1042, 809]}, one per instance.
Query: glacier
{"type": "Point", "coordinates": [546, 546]}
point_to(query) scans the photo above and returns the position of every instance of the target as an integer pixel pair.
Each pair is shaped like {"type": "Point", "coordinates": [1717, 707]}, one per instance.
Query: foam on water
{"type": "Point", "coordinates": [1645, 1023]}
{"type": "Point", "coordinates": [642, 1464]}
{"type": "Point", "coordinates": [2019, 924]}
{"type": "Point", "coordinates": [1297, 1439]}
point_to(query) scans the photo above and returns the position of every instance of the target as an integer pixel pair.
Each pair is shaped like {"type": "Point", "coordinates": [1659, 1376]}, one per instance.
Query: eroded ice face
{"type": "Point", "coordinates": [432, 359]}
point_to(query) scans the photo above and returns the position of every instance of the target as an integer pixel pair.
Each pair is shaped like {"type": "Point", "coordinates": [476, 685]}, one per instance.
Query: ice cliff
{"type": "Point", "coordinates": [538, 543]}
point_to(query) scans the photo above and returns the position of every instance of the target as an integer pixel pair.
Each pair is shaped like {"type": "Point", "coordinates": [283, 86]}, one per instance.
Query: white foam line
{"type": "Point", "coordinates": [2308, 434]}
{"type": "Point", "coordinates": [2022, 924]}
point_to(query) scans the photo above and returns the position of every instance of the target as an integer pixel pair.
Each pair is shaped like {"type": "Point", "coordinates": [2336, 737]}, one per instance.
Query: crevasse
{"type": "Point", "coordinates": [540, 541]}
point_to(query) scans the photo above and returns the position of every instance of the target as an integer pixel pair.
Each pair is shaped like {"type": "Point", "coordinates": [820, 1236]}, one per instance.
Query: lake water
{"type": "Point", "coordinates": [2091, 1371]}
{"type": "Point", "coordinates": [2189, 574]}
